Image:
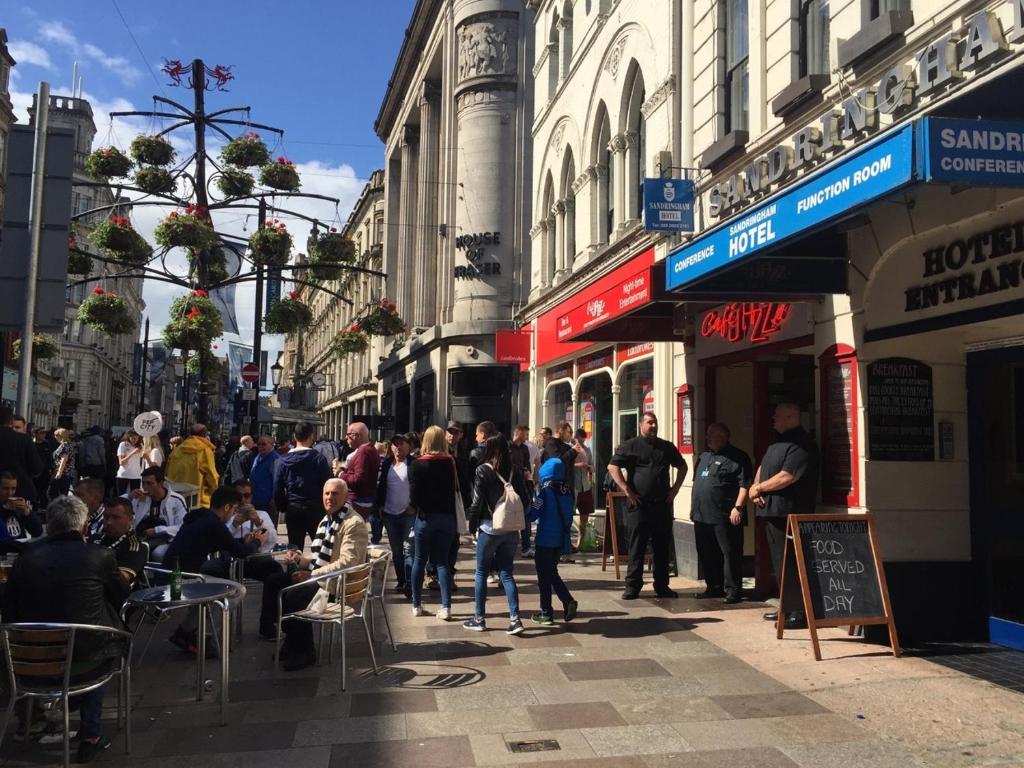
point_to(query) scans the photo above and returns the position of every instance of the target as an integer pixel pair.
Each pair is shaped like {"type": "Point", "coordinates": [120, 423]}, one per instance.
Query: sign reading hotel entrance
{"type": "Point", "coordinates": [668, 205]}
{"type": "Point", "coordinates": [622, 298]}
{"type": "Point", "coordinates": [980, 152]}
{"type": "Point", "coordinates": [870, 173]}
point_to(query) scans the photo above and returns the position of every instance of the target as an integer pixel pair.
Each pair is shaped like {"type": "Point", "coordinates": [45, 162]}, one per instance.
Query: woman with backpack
{"type": "Point", "coordinates": [496, 518]}
{"type": "Point", "coordinates": [552, 509]}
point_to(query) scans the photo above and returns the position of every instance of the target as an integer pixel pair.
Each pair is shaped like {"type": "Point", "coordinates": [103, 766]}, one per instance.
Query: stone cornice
{"type": "Point", "coordinates": [660, 95]}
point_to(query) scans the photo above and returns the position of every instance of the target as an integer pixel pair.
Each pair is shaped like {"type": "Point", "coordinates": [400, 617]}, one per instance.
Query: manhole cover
{"type": "Point", "coordinates": [539, 745]}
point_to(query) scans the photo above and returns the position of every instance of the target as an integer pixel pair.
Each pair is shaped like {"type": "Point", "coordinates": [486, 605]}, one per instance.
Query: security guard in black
{"type": "Point", "coordinates": [647, 459]}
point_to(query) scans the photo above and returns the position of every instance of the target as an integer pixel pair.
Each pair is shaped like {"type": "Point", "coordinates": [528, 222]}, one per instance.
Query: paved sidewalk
{"type": "Point", "coordinates": [640, 684]}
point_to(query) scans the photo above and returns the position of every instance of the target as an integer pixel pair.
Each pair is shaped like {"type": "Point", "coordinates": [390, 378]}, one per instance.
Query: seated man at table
{"type": "Point", "coordinates": [63, 579]}
{"type": "Point", "coordinates": [246, 521]}
{"type": "Point", "coordinates": [18, 523]}
{"type": "Point", "coordinates": [91, 491]}
{"type": "Point", "coordinates": [341, 542]}
{"type": "Point", "coordinates": [159, 512]}
{"type": "Point", "coordinates": [119, 537]}
{"type": "Point", "coordinates": [202, 533]}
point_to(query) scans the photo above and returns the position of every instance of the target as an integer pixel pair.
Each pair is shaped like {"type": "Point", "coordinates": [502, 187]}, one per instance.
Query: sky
{"type": "Point", "coordinates": [318, 70]}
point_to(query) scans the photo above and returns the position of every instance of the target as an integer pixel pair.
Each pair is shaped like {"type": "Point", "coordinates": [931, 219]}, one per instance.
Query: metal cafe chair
{"type": "Point", "coordinates": [39, 659]}
{"type": "Point", "coordinates": [347, 593]}
{"type": "Point", "coordinates": [150, 572]}
{"type": "Point", "coordinates": [380, 558]}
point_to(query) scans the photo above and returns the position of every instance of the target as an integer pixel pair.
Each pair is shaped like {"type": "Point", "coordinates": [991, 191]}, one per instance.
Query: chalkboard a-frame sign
{"type": "Point", "coordinates": [842, 581]}
{"type": "Point", "coordinates": [615, 541]}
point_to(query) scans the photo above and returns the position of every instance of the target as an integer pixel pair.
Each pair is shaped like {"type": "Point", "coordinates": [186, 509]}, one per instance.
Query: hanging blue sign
{"type": "Point", "coordinates": [878, 169]}
{"type": "Point", "coordinates": [976, 152]}
{"type": "Point", "coordinates": [668, 205]}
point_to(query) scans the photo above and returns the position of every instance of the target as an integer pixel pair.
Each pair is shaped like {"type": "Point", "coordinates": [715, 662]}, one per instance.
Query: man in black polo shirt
{"type": "Point", "coordinates": [720, 483]}
{"type": "Point", "coordinates": [646, 459]}
{"type": "Point", "coordinates": [786, 484]}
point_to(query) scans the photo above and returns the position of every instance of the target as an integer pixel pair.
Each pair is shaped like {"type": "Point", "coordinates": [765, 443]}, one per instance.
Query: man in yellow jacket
{"type": "Point", "coordinates": [192, 462]}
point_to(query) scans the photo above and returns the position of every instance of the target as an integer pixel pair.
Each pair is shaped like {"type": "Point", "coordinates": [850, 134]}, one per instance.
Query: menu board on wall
{"type": "Point", "coordinates": [839, 435]}
{"type": "Point", "coordinates": [901, 422]}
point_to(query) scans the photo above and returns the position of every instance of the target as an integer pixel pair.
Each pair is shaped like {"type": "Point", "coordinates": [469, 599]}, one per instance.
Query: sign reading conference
{"type": "Point", "coordinates": [870, 173]}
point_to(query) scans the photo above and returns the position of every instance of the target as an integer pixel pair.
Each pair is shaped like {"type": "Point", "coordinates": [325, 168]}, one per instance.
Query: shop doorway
{"type": "Point", "coordinates": [995, 417]}
{"type": "Point", "coordinates": [742, 394]}
{"type": "Point", "coordinates": [594, 414]}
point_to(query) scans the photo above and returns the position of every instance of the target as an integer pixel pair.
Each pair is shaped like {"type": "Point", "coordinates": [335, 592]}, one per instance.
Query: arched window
{"type": "Point", "coordinates": [566, 38]}
{"type": "Point", "coordinates": [637, 148]}
{"type": "Point", "coordinates": [568, 176]}
{"type": "Point", "coordinates": [550, 249]}
{"type": "Point", "coordinates": [605, 160]}
{"type": "Point", "coordinates": [553, 59]}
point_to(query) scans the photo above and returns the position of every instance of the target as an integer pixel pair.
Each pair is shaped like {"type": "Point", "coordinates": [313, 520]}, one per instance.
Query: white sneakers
{"type": "Point", "coordinates": [444, 614]}
{"type": "Point", "coordinates": [417, 611]}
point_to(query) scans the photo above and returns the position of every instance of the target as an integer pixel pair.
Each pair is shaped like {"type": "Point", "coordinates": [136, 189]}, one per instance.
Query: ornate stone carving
{"type": "Point", "coordinates": [630, 138]}
{"type": "Point", "coordinates": [538, 229]}
{"type": "Point", "coordinates": [611, 64]}
{"type": "Point", "coordinates": [558, 208]}
{"type": "Point", "coordinates": [661, 93]}
{"type": "Point", "coordinates": [557, 137]}
{"type": "Point", "coordinates": [569, 204]}
{"type": "Point", "coordinates": [581, 181]}
{"type": "Point", "coordinates": [618, 143]}
{"type": "Point", "coordinates": [488, 47]}
{"type": "Point", "coordinates": [484, 97]}
{"type": "Point", "coordinates": [542, 58]}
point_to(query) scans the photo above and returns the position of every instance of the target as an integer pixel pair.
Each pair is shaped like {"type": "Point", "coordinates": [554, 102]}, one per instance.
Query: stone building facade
{"type": "Point", "coordinates": [6, 113]}
{"type": "Point", "coordinates": [455, 121]}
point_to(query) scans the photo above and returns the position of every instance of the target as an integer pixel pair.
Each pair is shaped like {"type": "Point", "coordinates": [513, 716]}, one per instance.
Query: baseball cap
{"type": "Point", "coordinates": [454, 425]}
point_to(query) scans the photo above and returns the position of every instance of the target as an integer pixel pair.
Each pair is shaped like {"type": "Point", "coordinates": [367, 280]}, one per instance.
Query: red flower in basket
{"type": "Point", "coordinates": [199, 292]}
{"type": "Point", "coordinates": [293, 294]}
{"type": "Point", "coordinates": [194, 313]}
{"type": "Point", "coordinates": [98, 291]}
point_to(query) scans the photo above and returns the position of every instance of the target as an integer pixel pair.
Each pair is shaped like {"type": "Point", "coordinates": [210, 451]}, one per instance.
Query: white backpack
{"type": "Point", "coordinates": [508, 516]}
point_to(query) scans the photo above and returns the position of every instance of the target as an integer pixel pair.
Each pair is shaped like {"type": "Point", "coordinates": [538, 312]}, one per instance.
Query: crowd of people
{"type": "Point", "coordinates": [428, 493]}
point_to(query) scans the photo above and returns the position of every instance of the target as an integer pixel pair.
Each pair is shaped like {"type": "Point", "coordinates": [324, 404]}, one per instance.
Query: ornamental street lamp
{"type": "Point", "coordinates": [275, 374]}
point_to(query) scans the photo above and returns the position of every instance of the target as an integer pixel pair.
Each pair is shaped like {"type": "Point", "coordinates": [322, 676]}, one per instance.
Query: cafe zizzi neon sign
{"type": "Point", "coordinates": [942, 63]}
{"type": "Point", "coordinates": [755, 322]}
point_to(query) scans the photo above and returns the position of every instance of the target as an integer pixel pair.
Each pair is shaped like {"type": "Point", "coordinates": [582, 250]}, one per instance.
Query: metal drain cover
{"type": "Point", "coordinates": [538, 745]}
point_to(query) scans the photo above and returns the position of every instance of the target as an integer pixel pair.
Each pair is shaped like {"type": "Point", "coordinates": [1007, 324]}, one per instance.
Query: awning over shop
{"type": "Point", "coordinates": [636, 307]}
{"type": "Point", "coordinates": [271, 415]}
{"type": "Point", "coordinates": [755, 239]}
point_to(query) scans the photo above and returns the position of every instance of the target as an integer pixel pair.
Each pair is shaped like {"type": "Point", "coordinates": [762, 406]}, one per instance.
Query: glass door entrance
{"type": "Point", "coordinates": [995, 414]}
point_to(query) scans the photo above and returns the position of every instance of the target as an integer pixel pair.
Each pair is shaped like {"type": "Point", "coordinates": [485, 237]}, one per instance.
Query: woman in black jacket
{"type": "Point", "coordinates": [432, 495]}
{"type": "Point", "coordinates": [500, 546]}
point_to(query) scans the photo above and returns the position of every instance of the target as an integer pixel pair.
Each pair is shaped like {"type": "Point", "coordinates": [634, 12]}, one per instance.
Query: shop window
{"type": "Point", "coordinates": [877, 7]}
{"type": "Point", "coordinates": [559, 407]}
{"type": "Point", "coordinates": [737, 76]}
{"type": "Point", "coordinates": [814, 37]}
{"type": "Point", "coordinates": [636, 396]}
{"type": "Point", "coordinates": [594, 415]}
{"type": "Point", "coordinates": [839, 432]}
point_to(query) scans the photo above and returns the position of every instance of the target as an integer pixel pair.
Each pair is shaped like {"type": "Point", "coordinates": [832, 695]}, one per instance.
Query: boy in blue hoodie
{"type": "Point", "coordinates": [552, 509]}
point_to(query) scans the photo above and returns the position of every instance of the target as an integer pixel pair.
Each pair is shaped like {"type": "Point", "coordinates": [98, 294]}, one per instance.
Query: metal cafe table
{"type": "Point", "coordinates": [200, 595]}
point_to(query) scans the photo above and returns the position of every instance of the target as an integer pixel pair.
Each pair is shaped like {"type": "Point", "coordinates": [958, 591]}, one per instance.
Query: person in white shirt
{"type": "Point", "coordinates": [159, 512]}
{"type": "Point", "coordinates": [248, 519]}
{"type": "Point", "coordinates": [129, 462]}
{"type": "Point", "coordinates": [392, 504]}
{"type": "Point", "coordinates": [152, 452]}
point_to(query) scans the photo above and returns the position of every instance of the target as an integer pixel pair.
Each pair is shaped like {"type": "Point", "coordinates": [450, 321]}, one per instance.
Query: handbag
{"type": "Point", "coordinates": [508, 515]}
{"type": "Point", "coordinates": [461, 523]}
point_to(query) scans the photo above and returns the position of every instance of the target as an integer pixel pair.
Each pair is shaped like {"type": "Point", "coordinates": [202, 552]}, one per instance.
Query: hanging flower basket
{"type": "Point", "coordinates": [287, 315]}
{"type": "Point", "coordinates": [190, 229]}
{"type": "Point", "coordinates": [154, 180]}
{"type": "Point", "coordinates": [271, 244]}
{"type": "Point", "coordinates": [152, 150]}
{"type": "Point", "coordinates": [43, 347]}
{"type": "Point", "coordinates": [234, 182]}
{"type": "Point", "coordinates": [78, 263]}
{"type": "Point", "coordinates": [108, 163]}
{"type": "Point", "coordinates": [106, 312]}
{"type": "Point", "coordinates": [382, 320]}
{"type": "Point", "coordinates": [246, 151]}
{"type": "Point", "coordinates": [350, 341]}
{"type": "Point", "coordinates": [333, 248]}
{"type": "Point", "coordinates": [194, 322]}
{"type": "Point", "coordinates": [120, 241]}
{"type": "Point", "coordinates": [280, 174]}
{"type": "Point", "coordinates": [207, 362]}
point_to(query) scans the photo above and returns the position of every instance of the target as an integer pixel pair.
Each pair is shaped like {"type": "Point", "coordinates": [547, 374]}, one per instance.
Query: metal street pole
{"type": "Point", "coordinates": [35, 227]}
{"type": "Point", "coordinates": [145, 359]}
{"type": "Point", "coordinates": [199, 89]}
{"type": "Point", "coordinates": [257, 330]}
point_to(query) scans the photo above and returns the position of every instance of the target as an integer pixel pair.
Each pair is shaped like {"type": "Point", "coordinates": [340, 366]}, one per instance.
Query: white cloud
{"type": "Point", "coordinates": [56, 32]}
{"type": "Point", "coordinates": [25, 52]}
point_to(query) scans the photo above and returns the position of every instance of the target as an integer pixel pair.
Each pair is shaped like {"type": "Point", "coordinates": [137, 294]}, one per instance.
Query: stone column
{"type": "Point", "coordinates": [569, 246]}
{"type": "Point", "coordinates": [558, 213]}
{"type": "Point", "coordinates": [618, 147]}
{"type": "Point", "coordinates": [551, 249]}
{"type": "Point", "coordinates": [489, 159]}
{"type": "Point", "coordinates": [424, 307]}
{"type": "Point", "coordinates": [539, 278]}
{"type": "Point", "coordinates": [407, 221]}
{"type": "Point", "coordinates": [600, 203]}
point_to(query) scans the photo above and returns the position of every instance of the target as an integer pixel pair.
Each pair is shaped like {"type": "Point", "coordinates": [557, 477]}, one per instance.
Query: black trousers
{"type": "Point", "coordinates": [653, 523]}
{"type": "Point", "coordinates": [775, 532]}
{"type": "Point", "coordinates": [301, 519]}
{"type": "Point", "coordinates": [298, 634]}
{"type": "Point", "coordinates": [720, 551]}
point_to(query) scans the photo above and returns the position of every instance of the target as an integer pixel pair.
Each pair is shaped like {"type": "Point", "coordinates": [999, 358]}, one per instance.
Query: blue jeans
{"type": "Point", "coordinates": [501, 549]}
{"type": "Point", "coordinates": [548, 578]}
{"type": "Point", "coordinates": [433, 541]}
{"type": "Point", "coordinates": [90, 713]}
{"type": "Point", "coordinates": [398, 527]}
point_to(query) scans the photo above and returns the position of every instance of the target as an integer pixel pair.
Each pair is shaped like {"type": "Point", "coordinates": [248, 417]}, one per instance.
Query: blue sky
{"type": "Point", "coordinates": [316, 69]}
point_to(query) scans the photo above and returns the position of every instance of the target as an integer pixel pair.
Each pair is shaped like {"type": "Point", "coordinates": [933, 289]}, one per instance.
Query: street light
{"type": "Point", "coordinates": [275, 374]}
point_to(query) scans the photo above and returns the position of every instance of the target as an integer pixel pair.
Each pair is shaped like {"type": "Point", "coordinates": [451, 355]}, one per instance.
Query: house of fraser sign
{"type": "Point", "coordinates": [942, 63]}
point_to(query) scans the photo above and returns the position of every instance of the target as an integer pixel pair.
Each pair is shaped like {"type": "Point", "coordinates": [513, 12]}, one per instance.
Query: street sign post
{"type": "Point", "coordinates": [250, 373]}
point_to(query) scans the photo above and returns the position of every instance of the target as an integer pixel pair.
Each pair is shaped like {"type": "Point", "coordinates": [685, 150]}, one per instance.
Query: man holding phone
{"type": "Point", "coordinates": [18, 523]}
{"type": "Point", "coordinates": [646, 459]}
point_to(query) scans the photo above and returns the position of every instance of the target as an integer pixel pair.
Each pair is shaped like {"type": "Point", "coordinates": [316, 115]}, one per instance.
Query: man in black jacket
{"type": "Point", "coordinates": [203, 533]}
{"type": "Point", "coordinates": [18, 455]}
{"type": "Point", "coordinates": [63, 579]}
{"type": "Point", "coordinates": [299, 478]}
